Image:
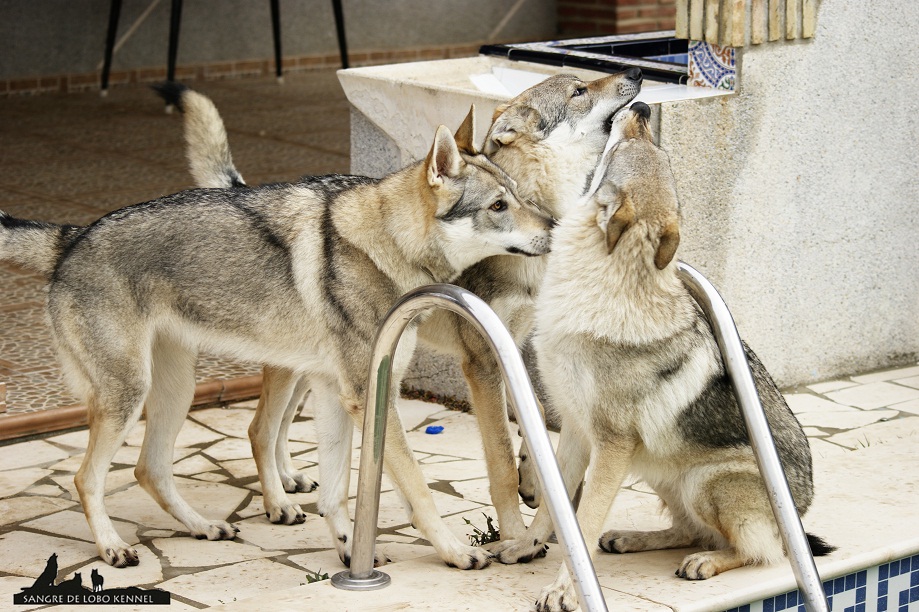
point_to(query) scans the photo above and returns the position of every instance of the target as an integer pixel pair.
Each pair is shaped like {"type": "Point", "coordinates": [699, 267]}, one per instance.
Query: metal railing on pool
{"type": "Point", "coordinates": [362, 575]}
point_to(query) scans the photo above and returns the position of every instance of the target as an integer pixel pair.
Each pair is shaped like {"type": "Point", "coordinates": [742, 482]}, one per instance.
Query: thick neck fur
{"type": "Point", "coordinates": [621, 296]}
{"type": "Point", "coordinates": [553, 178]}
{"type": "Point", "coordinates": [397, 231]}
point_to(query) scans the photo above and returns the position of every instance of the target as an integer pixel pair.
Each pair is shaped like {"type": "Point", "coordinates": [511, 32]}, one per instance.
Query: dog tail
{"type": "Point", "coordinates": [818, 546]}
{"type": "Point", "coordinates": [34, 245]}
{"type": "Point", "coordinates": [207, 147]}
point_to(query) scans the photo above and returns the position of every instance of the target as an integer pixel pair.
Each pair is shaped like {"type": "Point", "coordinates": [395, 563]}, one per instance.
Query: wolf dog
{"type": "Point", "coordinates": [296, 276]}
{"type": "Point", "coordinates": [630, 362]}
{"type": "Point", "coordinates": [549, 139]}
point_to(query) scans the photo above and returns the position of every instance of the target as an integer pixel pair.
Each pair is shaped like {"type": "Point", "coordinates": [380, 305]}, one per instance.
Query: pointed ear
{"type": "Point", "coordinates": [620, 220]}
{"type": "Point", "coordinates": [444, 159]}
{"type": "Point", "coordinates": [508, 124]}
{"type": "Point", "coordinates": [465, 135]}
{"type": "Point", "coordinates": [670, 240]}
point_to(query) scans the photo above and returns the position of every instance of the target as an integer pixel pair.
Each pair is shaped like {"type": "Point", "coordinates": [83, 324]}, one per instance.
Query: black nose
{"type": "Point", "coordinates": [633, 74]}
{"type": "Point", "coordinates": [643, 110]}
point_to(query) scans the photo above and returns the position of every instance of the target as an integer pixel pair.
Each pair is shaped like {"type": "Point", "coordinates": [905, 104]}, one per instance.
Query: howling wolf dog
{"type": "Point", "coordinates": [549, 139]}
{"type": "Point", "coordinates": [296, 276]}
{"type": "Point", "coordinates": [631, 364]}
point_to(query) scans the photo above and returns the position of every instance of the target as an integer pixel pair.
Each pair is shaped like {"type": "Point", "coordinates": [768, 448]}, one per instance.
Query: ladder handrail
{"type": "Point", "coordinates": [361, 575]}
{"type": "Point", "coordinates": [767, 458]}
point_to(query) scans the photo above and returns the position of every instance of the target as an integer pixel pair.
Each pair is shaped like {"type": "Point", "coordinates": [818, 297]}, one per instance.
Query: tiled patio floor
{"type": "Point", "coordinates": [863, 431]}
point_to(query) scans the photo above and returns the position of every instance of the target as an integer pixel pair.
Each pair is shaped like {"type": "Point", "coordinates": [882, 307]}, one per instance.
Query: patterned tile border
{"type": "Point", "coordinates": [890, 587]}
{"type": "Point", "coordinates": [712, 66]}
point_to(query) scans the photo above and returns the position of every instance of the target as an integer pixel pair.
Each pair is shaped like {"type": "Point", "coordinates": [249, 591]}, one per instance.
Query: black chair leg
{"type": "Point", "coordinates": [276, 30]}
{"type": "Point", "coordinates": [340, 29]}
{"type": "Point", "coordinates": [175, 20]}
{"type": "Point", "coordinates": [113, 16]}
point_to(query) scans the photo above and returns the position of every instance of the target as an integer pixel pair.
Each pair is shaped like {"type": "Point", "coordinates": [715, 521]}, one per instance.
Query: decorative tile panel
{"type": "Point", "coordinates": [711, 65]}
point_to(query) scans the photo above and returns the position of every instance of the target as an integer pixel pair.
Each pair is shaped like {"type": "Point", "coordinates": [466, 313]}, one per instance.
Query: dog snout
{"type": "Point", "coordinates": [642, 110]}
{"type": "Point", "coordinates": [633, 74]}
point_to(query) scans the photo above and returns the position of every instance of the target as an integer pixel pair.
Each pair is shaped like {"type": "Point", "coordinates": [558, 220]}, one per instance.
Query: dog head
{"type": "Point", "coordinates": [637, 195]}
{"type": "Point", "coordinates": [476, 206]}
{"type": "Point", "coordinates": [562, 102]}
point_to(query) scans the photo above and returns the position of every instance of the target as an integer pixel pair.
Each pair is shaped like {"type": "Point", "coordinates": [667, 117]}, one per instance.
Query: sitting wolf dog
{"type": "Point", "coordinates": [631, 364]}
{"type": "Point", "coordinates": [297, 276]}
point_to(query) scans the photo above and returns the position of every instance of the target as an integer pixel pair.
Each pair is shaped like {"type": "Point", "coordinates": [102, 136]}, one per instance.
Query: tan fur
{"type": "Point", "coordinates": [634, 371]}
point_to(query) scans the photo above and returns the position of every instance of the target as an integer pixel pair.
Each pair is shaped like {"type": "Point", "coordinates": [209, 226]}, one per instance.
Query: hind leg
{"type": "Point", "coordinates": [733, 507]}
{"type": "Point", "coordinates": [110, 419]}
{"type": "Point", "coordinates": [170, 398]}
{"type": "Point", "coordinates": [277, 390]}
{"type": "Point", "coordinates": [292, 480]}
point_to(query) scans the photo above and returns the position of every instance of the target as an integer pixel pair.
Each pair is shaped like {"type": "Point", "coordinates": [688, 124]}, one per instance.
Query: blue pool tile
{"type": "Point", "coordinates": [904, 598]}
{"type": "Point", "coordinates": [895, 568]}
{"type": "Point", "coordinates": [914, 578]}
{"type": "Point", "coordinates": [882, 604]}
{"type": "Point", "coordinates": [839, 585]}
{"type": "Point", "coordinates": [850, 582]}
{"type": "Point", "coordinates": [860, 607]}
{"type": "Point", "coordinates": [882, 571]}
{"type": "Point", "coordinates": [914, 594]}
{"type": "Point", "coordinates": [862, 579]}
{"type": "Point", "coordinates": [882, 588]}
{"type": "Point", "coordinates": [780, 602]}
{"type": "Point", "coordinates": [860, 594]}
{"type": "Point", "coordinates": [791, 599]}
{"type": "Point", "coordinates": [769, 605]}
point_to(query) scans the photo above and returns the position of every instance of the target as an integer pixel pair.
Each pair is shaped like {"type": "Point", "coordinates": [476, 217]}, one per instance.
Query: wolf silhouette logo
{"type": "Point", "coordinates": [44, 591]}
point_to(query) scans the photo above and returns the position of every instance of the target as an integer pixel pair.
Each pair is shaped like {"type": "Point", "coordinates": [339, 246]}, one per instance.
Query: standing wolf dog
{"type": "Point", "coordinates": [549, 139]}
{"type": "Point", "coordinates": [632, 366]}
{"type": "Point", "coordinates": [296, 276]}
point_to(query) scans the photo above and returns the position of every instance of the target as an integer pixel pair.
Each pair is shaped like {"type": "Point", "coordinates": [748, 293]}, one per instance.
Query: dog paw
{"type": "Point", "coordinates": [517, 551]}
{"type": "Point", "coordinates": [298, 482]}
{"type": "Point", "coordinates": [379, 558]}
{"type": "Point", "coordinates": [697, 566]}
{"type": "Point", "coordinates": [557, 598]}
{"type": "Point", "coordinates": [619, 542]}
{"type": "Point", "coordinates": [285, 514]}
{"type": "Point", "coordinates": [217, 531]}
{"type": "Point", "coordinates": [470, 558]}
{"type": "Point", "coordinates": [121, 557]}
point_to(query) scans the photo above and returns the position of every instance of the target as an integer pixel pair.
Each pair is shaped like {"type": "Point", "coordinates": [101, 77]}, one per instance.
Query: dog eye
{"type": "Point", "coordinates": [498, 206]}
{"type": "Point", "coordinates": [580, 91]}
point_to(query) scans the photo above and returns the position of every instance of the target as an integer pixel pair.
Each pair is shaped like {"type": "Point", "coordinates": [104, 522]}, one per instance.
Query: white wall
{"type": "Point", "coordinates": [801, 194]}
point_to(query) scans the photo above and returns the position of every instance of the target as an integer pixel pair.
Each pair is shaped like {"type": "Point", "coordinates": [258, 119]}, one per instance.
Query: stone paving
{"type": "Point", "coordinates": [40, 512]}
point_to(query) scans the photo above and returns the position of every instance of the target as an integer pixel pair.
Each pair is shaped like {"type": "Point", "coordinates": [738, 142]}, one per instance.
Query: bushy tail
{"type": "Point", "coordinates": [34, 245]}
{"type": "Point", "coordinates": [818, 546]}
{"type": "Point", "coordinates": [207, 148]}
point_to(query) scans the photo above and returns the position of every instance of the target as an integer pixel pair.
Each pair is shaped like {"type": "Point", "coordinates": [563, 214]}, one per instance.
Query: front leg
{"type": "Point", "coordinates": [608, 467]}
{"type": "Point", "coordinates": [574, 454]}
{"type": "Point", "coordinates": [489, 401]}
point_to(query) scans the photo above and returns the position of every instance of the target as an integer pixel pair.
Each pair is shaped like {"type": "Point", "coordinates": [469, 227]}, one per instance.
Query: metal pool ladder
{"type": "Point", "coordinates": [362, 575]}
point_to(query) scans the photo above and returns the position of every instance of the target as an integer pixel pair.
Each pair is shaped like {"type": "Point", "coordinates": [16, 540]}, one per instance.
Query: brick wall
{"type": "Point", "coordinates": [603, 17]}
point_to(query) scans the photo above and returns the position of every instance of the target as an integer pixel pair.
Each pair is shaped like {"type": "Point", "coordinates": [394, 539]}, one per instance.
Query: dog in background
{"type": "Point", "coordinates": [297, 276]}
{"type": "Point", "coordinates": [630, 362]}
{"type": "Point", "coordinates": [549, 138]}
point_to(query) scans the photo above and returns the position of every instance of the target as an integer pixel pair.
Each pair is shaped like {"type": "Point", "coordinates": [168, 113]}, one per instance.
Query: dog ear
{"type": "Point", "coordinates": [465, 135]}
{"type": "Point", "coordinates": [613, 225]}
{"type": "Point", "coordinates": [670, 240]}
{"type": "Point", "coordinates": [444, 159]}
{"type": "Point", "coordinates": [508, 125]}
